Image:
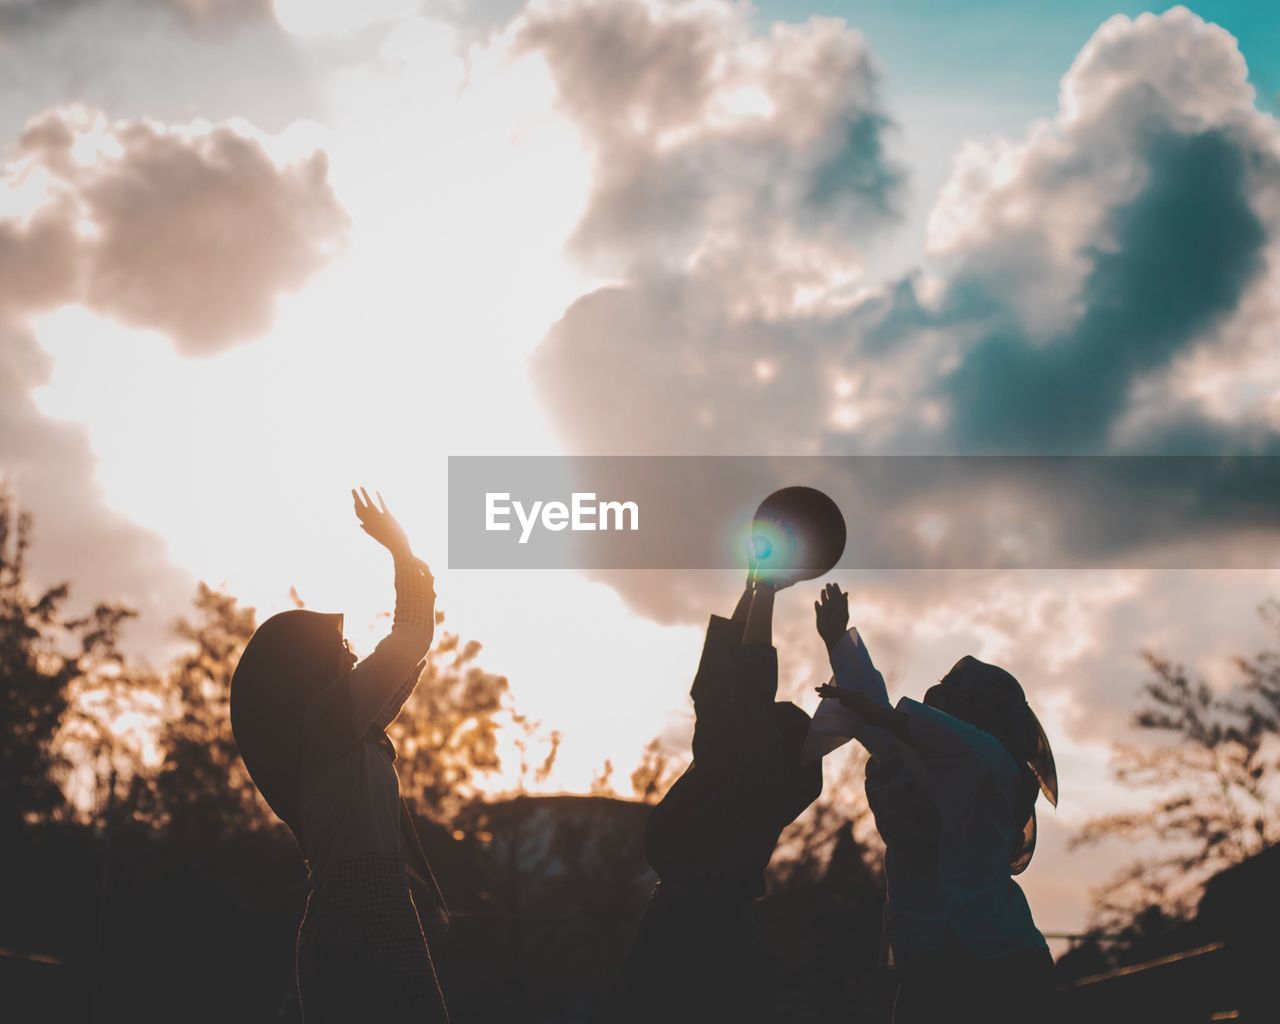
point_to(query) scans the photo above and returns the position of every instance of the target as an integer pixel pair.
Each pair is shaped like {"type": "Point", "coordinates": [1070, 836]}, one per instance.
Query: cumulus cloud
{"type": "Point", "coordinates": [754, 162]}
{"type": "Point", "coordinates": [1073, 276]}
{"type": "Point", "coordinates": [1102, 285]}
{"type": "Point", "coordinates": [193, 234]}
{"type": "Point", "coordinates": [1118, 239]}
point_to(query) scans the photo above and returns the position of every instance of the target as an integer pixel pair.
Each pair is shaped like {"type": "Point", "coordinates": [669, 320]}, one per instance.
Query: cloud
{"type": "Point", "coordinates": [17, 16]}
{"type": "Point", "coordinates": [753, 162]}
{"type": "Point", "coordinates": [1073, 279]}
{"type": "Point", "coordinates": [48, 465]}
{"type": "Point", "coordinates": [173, 60]}
{"type": "Point", "coordinates": [193, 234]}
{"type": "Point", "coordinates": [1105, 284]}
{"type": "Point", "coordinates": [1110, 245]}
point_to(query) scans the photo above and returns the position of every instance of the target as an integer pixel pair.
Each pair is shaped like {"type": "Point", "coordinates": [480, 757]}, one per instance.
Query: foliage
{"type": "Point", "coordinates": [108, 729]}
{"type": "Point", "coordinates": [202, 790]}
{"type": "Point", "coordinates": [656, 772]}
{"type": "Point", "coordinates": [447, 733]}
{"type": "Point", "coordinates": [45, 657]}
{"type": "Point", "coordinates": [1213, 770]}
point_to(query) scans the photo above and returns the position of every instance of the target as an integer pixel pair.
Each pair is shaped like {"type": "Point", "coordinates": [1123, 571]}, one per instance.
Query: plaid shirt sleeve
{"type": "Point", "coordinates": [416, 611]}
{"type": "Point", "coordinates": [415, 596]}
{"type": "Point", "coordinates": [382, 682]}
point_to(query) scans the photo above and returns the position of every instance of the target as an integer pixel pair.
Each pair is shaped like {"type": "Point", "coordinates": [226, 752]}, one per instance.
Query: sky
{"type": "Point", "coordinates": [254, 253]}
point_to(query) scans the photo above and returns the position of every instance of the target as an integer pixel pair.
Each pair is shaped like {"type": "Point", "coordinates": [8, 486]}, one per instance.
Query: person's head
{"type": "Point", "coordinates": [287, 662]}
{"type": "Point", "coordinates": [991, 699]}
{"type": "Point", "coordinates": [983, 695]}
{"type": "Point", "coordinates": [793, 725]}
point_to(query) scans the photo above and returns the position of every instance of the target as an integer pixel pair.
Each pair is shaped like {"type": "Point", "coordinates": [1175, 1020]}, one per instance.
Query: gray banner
{"type": "Point", "coordinates": [902, 512]}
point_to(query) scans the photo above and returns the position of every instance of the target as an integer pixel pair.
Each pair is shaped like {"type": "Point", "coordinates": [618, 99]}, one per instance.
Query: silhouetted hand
{"type": "Point", "coordinates": [775, 576]}
{"type": "Point", "coordinates": [380, 524]}
{"type": "Point", "coordinates": [846, 697]}
{"type": "Point", "coordinates": [831, 611]}
{"type": "Point", "coordinates": [882, 716]}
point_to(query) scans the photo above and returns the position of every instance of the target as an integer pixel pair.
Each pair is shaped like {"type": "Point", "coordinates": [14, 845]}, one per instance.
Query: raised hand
{"type": "Point", "coordinates": [882, 716]}
{"type": "Point", "coordinates": [378, 522]}
{"type": "Point", "coordinates": [846, 697]}
{"type": "Point", "coordinates": [768, 563]}
{"type": "Point", "coordinates": [831, 612]}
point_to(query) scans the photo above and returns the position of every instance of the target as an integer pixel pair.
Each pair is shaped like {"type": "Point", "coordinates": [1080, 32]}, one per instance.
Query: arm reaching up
{"type": "Point", "coordinates": [853, 674]}
{"type": "Point", "coordinates": [383, 681]}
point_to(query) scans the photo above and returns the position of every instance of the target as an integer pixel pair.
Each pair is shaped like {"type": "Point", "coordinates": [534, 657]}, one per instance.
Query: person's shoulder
{"type": "Point", "coordinates": [791, 715]}
{"type": "Point", "coordinates": [932, 724]}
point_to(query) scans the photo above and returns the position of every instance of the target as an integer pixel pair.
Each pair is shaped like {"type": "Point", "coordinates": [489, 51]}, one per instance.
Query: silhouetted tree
{"type": "Point", "coordinates": [202, 789]}
{"type": "Point", "coordinates": [1215, 769]}
{"type": "Point", "coordinates": [115, 708]}
{"type": "Point", "coordinates": [42, 654]}
{"type": "Point", "coordinates": [840, 815]}
{"type": "Point", "coordinates": [447, 732]}
{"type": "Point", "coordinates": [656, 773]}
{"type": "Point", "coordinates": [528, 736]}
{"type": "Point", "coordinates": [602, 781]}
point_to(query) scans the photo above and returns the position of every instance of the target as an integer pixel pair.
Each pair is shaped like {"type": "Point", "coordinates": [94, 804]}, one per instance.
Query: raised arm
{"type": "Point", "coordinates": [736, 681]}
{"type": "Point", "coordinates": [383, 681]}
{"type": "Point", "coordinates": [857, 700]}
{"type": "Point", "coordinates": [759, 628]}
{"type": "Point", "coordinates": [851, 664]}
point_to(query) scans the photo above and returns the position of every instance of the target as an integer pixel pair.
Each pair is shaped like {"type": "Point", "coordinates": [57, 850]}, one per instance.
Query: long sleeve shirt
{"type": "Point", "coordinates": [718, 825]}
{"type": "Point", "coordinates": [972, 782]}
{"type": "Point", "coordinates": [349, 801]}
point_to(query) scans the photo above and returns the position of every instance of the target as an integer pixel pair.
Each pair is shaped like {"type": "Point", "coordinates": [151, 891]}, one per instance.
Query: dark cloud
{"type": "Point", "coordinates": [1181, 255]}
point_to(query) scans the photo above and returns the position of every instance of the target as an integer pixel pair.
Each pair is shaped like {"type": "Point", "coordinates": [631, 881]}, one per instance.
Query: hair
{"type": "Point", "coordinates": [991, 699]}
{"type": "Point", "coordinates": [289, 659]}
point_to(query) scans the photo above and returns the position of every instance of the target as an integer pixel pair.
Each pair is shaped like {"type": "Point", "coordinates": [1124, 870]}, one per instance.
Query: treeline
{"type": "Point", "coordinates": [144, 878]}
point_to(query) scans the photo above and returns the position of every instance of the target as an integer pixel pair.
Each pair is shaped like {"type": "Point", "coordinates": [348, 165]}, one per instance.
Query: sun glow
{"type": "Point", "coordinates": [409, 346]}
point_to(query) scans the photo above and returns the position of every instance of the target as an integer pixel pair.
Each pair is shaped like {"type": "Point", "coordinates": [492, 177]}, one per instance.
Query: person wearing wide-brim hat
{"type": "Point", "coordinates": [952, 782]}
{"type": "Point", "coordinates": [310, 724]}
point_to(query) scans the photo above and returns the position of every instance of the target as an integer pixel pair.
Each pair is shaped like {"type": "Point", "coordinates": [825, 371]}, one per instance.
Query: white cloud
{"type": "Point", "coordinates": [754, 161]}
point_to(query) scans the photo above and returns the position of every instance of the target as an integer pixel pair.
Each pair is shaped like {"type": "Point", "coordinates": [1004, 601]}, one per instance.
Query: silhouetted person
{"type": "Point", "coordinates": [952, 783]}
{"type": "Point", "coordinates": [310, 724]}
{"type": "Point", "coordinates": [697, 955]}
